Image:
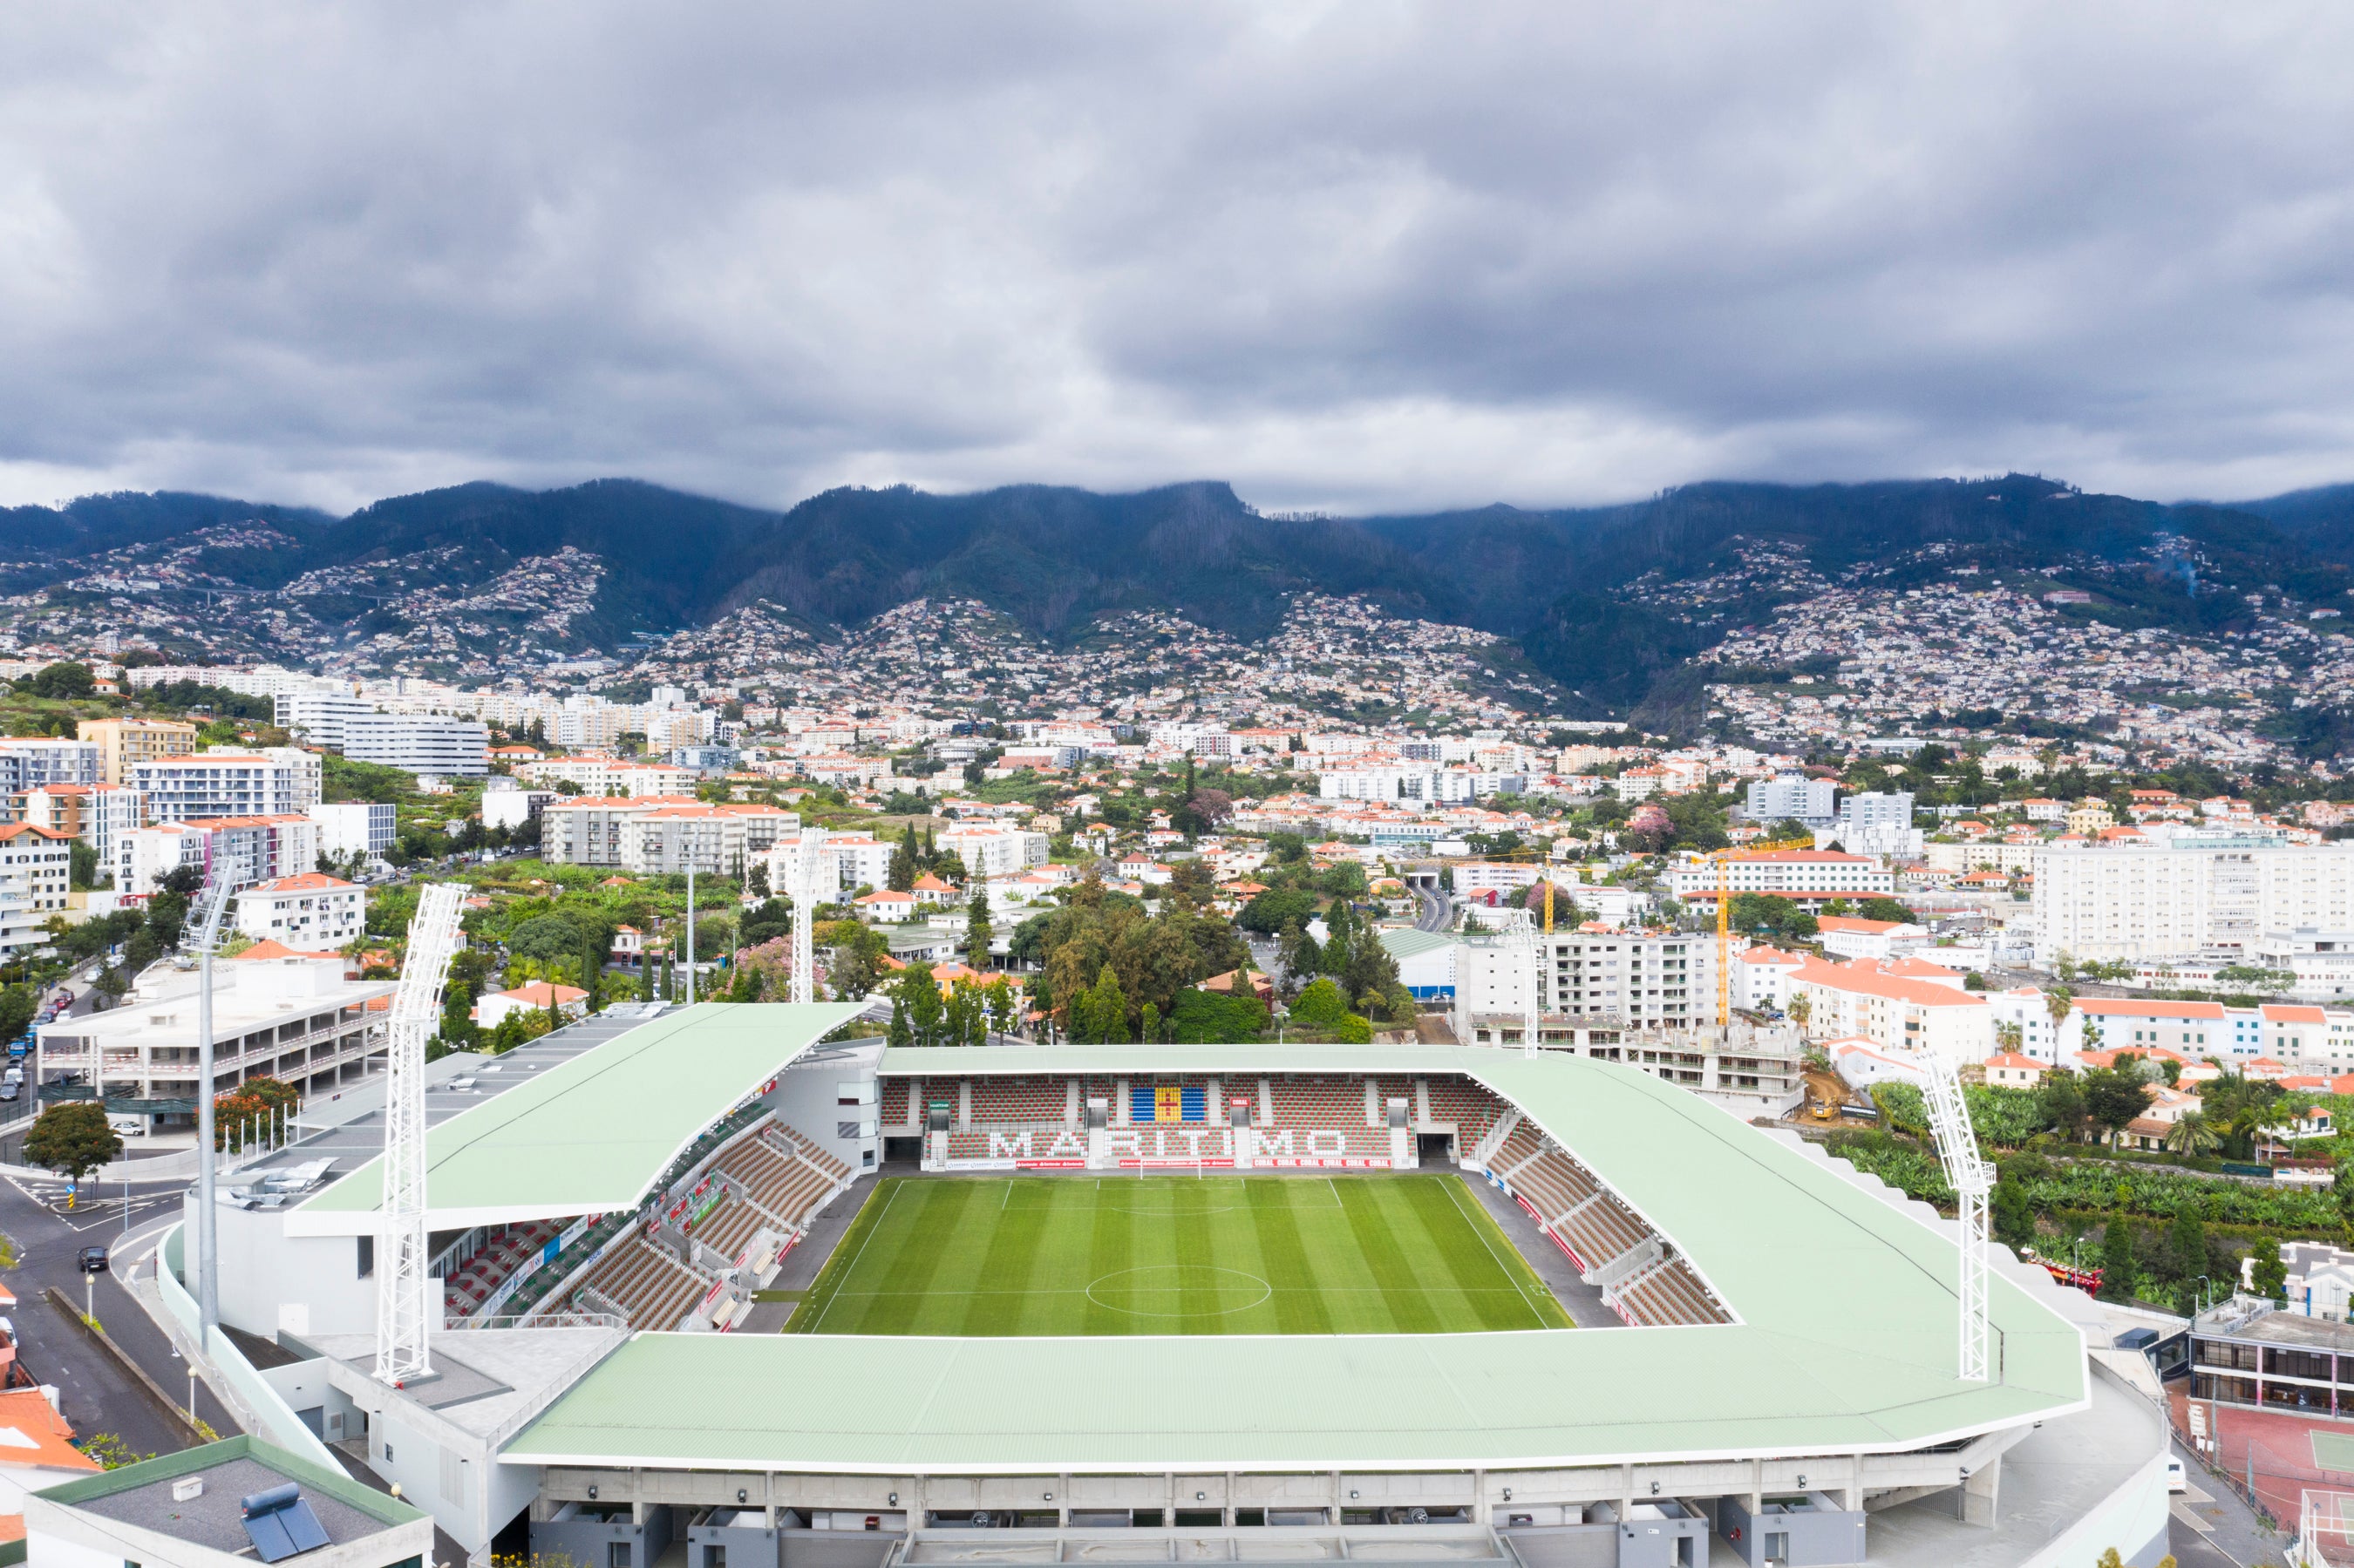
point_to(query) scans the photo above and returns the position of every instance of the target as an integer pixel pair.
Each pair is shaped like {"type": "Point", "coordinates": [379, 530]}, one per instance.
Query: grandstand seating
{"type": "Point", "coordinates": [1470, 1109]}
{"type": "Point", "coordinates": [892, 1106]}
{"type": "Point", "coordinates": [1671, 1295]}
{"type": "Point", "coordinates": [1030, 1102]}
{"type": "Point", "coordinates": [1598, 1227]}
{"type": "Point", "coordinates": [1334, 1104]}
{"type": "Point", "coordinates": [653, 1289]}
{"type": "Point", "coordinates": [471, 1282]}
{"type": "Point", "coordinates": [800, 1147]}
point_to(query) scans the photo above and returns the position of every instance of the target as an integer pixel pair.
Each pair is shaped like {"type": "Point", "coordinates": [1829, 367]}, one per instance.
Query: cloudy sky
{"type": "Point", "coordinates": [1376, 255]}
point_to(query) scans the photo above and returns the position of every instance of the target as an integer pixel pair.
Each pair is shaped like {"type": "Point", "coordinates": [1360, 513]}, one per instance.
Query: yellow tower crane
{"type": "Point", "coordinates": [1725, 859]}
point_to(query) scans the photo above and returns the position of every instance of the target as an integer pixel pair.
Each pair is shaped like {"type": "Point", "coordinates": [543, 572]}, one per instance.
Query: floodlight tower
{"type": "Point", "coordinates": [216, 896]}
{"type": "Point", "coordinates": [405, 1308]}
{"type": "Point", "coordinates": [809, 858]}
{"type": "Point", "coordinates": [1528, 950]}
{"type": "Point", "coordinates": [1965, 1171]}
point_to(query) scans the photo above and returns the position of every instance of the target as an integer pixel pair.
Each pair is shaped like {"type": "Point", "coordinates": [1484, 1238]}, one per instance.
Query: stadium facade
{"type": "Point", "coordinates": [1775, 1378]}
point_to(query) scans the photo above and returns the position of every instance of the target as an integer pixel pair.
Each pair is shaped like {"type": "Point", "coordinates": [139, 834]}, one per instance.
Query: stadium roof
{"type": "Point", "coordinates": [1846, 1336]}
{"type": "Point", "coordinates": [591, 1135]}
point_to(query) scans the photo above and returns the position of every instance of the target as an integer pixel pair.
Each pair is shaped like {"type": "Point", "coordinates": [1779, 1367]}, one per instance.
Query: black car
{"type": "Point", "coordinates": [92, 1260]}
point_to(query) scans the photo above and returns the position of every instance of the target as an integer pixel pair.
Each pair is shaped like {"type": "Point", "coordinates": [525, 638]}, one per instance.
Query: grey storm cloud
{"type": "Point", "coordinates": [1376, 255]}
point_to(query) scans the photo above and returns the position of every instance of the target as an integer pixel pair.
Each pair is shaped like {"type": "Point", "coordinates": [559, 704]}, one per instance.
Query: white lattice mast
{"type": "Point", "coordinates": [1528, 954]}
{"type": "Point", "coordinates": [406, 1307]}
{"type": "Point", "coordinates": [809, 858]}
{"type": "Point", "coordinates": [1957, 1147]}
{"type": "Point", "coordinates": [216, 901]}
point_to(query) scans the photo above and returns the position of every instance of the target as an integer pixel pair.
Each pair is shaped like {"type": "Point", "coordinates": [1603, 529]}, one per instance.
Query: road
{"type": "Point", "coordinates": [2212, 1528]}
{"type": "Point", "coordinates": [97, 1395]}
{"type": "Point", "coordinates": [1438, 909]}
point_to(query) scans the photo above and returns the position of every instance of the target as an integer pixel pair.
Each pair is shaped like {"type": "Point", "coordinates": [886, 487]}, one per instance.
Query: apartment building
{"type": "Point", "coordinates": [858, 859]}
{"type": "Point", "coordinates": [33, 761]}
{"type": "Point", "coordinates": [124, 742]}
{"type": "Point", "coordinates": [1625, 979]}
{"type": "Point", "coordinates": [1761, 977]}
{"type": "Point", "coordinates": [247, 850]}
{"type": "Point", "coordinates": [2193, 1028]}
{"type": "Point", "coordinates": [1904, 1005]}
{"type": "Point", "coordinates": [98, 814]}
{"type": "Point", "coordinates": [594, 774]}
{"type": "Point", "coordinates": [1792, 797]}
{"type": "Point", "coordinates": [660, 833]}
{"type": "Point", "coordinates": [1810, 877]}
{"type": "Point", "coordinates": [345, 827]}
{"type": "Point", "coordinates": [281, 781]}
{"type": "Point", "coordinates": [995, 852]}
{"type": "Point", "coordinates": [311, 911]}
{"type": "Point", "coordinates": [2185, 893]}
{"type": "Point", "coordinates": [318, 717]}
{"type": "Point", "coordinates": [420, 743]}
{"type": "Point", "coordinates": [36, 872]}
{"type": "Point", "coordinates": [281, 1015]}
{"type": "Point", "coordinates": [2322, 961]}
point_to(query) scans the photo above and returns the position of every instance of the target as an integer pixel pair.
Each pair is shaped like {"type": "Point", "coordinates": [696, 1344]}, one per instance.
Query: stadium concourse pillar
{"type": "Point", "coordinates": [1980, 1489]}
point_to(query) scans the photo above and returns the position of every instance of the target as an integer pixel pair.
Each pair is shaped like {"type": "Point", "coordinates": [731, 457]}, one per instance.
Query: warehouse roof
{"type": "Point", "coordinates": [593, 1134]}
{"type": "Point", "coordinates": [1845, 1339]}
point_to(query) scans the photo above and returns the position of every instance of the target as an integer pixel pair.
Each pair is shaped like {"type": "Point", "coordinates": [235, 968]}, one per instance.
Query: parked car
{"type": "Point", "coordinates": [2175, 1481]}
{"type": "Point", "coordinates": [128, 1125]}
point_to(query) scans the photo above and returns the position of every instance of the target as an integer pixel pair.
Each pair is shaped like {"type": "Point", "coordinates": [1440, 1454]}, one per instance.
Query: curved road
{"type": "Point", "coordinates": [1437, 908]}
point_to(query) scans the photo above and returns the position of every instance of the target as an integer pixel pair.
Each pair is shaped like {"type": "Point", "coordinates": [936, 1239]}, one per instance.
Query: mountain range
{"type": "Point", "coordinates": [1590, 594]}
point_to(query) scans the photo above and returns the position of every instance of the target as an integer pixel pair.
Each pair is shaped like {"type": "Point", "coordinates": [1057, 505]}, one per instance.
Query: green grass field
{"type": "Point", "coordinates": [1174, 1255]}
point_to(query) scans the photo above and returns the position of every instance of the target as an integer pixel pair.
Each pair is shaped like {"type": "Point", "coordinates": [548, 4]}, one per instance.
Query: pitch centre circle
{"type": "Point", "coordinates": [1160, 1290]}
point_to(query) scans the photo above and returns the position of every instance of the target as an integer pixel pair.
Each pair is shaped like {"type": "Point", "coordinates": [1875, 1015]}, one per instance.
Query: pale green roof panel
{"type": "Point", "coordinates": [593, 1134]}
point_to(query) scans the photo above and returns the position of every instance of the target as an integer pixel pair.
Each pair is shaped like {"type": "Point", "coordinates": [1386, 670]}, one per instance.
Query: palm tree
{"type": "Point", "coordinates": [2191, 1135]}
{"type": "Point", "coordinates": [1801, 1008]}
{"type": "Point", "coordinates": [2007, 1036]}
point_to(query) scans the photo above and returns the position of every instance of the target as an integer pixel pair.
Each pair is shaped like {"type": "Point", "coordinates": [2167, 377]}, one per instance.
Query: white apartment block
{"type": "Point", "coordinates": [318, 717]}
{"type": "Point", "coordinates": [310, 912]}
{"type": "Point", "coordinates": [1809, 875]}
{"type": "Point", "coordinates": [282, 780]}
{"type": "Point", "coordinates": [98, 814]}
{"type": "Point", "coordinates": [859, 860]}
{"type": "Point", "coordinates": [1633, 980]}
{"type": "Point", "coordinates": [2193, 892]}
{"type": "Point", "coordinates": [2322, 961]}
{"type": "Point", "coordinates": [2026, 1007]}
{"type": "Point", "coordinates": [246, 850]}
{"type": "Point", "coordinates": [1761, 977]}
{"type": "Point", "coordinates": [661, 835]}
{"type": "Point", "coordinates": [33, 761]}
{"type": "Point", "coordinates": [297, 1020]}
{"type": "Point", "coordinates": [1897, 1007]}
{"type": "Point", "coordinates": [364, 827]}
{"type": "Point", "coordinates": [420, 743]}
{"type": "Point", "coordinates": [609, 776]}
{"type": "Point", "coordinates": [995, 853]}
{"type": "Point", "coordinates": [36, 870]}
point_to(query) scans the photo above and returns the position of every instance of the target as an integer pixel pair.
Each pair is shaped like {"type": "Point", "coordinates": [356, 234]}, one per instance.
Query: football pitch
{"type": "Point", "coordinates": [1174, 1255]}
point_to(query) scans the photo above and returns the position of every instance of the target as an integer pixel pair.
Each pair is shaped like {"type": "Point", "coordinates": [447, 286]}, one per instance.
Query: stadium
{"type": "Point", "coordinates": [720, 1291]}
